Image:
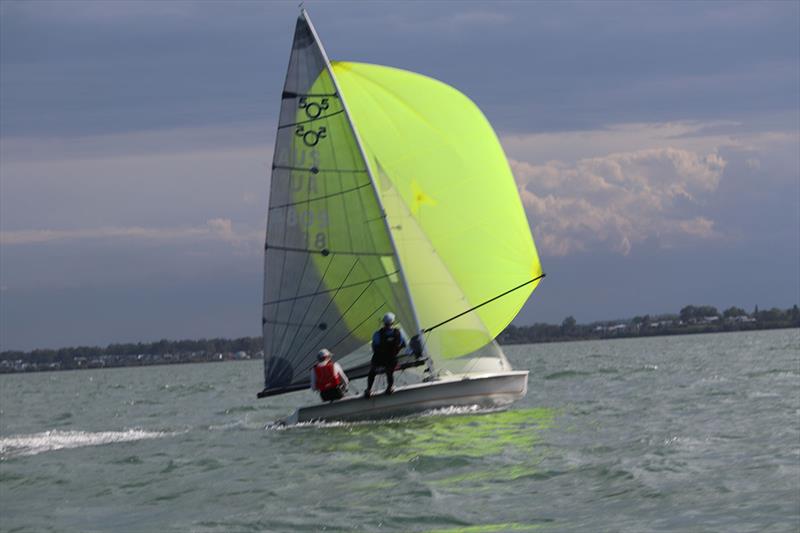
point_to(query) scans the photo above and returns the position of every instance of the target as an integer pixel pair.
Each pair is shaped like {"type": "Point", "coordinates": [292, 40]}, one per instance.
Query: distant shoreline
{"type": "Point", "coordinates": [635, 335]}
{"type": "Point", "coordinates": [692, 320]}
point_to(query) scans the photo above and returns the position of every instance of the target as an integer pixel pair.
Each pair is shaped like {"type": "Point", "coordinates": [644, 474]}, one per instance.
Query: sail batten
{"type": "Point", "coordinates": [328, 291]}
{"type": "Point", "coordinates": [310, 120]}
{"type": "Point", "coordinates": [324, 197]}
{"type": "Point", "coordinates": [327, 252]}
{"type": "Point", "coordinates": [315, 170]}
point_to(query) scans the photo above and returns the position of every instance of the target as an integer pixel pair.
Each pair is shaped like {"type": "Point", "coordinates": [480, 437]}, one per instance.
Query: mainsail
{"type": "Point", "coordinates": [389, 192]}
{"type": "Point", "coordinates": [330, 267]}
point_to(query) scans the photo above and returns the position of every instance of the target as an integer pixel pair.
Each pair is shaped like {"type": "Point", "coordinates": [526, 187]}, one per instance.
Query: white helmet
{"type": "Point", "coordinates": [323, 354]}
{"type": "Point", "coordinates": [388, 319]}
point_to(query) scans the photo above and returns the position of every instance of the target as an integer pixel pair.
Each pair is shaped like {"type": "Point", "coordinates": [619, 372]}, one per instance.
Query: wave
{"type": "Point", "coordinates": [567, 374]}
{"type": "Point", "coordinates": [775, 372]}
{"type": "Point", "coordinates": [48, 441]}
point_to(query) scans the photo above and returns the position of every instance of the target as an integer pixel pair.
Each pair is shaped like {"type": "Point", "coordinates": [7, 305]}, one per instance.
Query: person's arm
{"type": "Point", "coordinates": [376, 341]}
{"type": "Point", "coordinates": [338, 368]}
{"type": "Point", "coordinates": [403, 342]}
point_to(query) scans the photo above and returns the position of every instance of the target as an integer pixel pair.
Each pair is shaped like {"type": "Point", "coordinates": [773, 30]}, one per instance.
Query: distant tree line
{"type": "Point", "coordinates": [163, 350]}
{"type": "Point", "coordinates": [690, 319]}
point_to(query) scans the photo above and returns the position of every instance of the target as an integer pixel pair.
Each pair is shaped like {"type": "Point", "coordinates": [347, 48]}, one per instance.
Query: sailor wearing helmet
{"type": "Point", "coordinates": [386, 344]}
{"type": "Point", "coordinates": [328, 377]}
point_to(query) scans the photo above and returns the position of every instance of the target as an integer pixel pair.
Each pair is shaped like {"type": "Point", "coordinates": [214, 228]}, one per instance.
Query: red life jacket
{"type": "Point", "coordinates": [326, 375]}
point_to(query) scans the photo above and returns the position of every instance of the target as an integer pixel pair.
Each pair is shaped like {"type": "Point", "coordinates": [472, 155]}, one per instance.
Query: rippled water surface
{"type": "Point", "coordinates": [694, 433]}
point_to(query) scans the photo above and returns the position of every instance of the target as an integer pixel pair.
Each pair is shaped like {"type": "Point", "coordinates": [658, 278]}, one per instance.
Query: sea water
{"type": "Point", "coordinates": [690, 433]}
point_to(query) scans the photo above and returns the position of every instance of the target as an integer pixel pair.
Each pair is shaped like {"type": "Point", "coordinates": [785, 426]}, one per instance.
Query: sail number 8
{"type": "Point", "coordinates": [307, 220]}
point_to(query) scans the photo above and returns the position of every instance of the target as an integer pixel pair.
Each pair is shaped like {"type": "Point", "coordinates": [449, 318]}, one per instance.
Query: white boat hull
{"type": "Point", "coordinates": [485, 390]}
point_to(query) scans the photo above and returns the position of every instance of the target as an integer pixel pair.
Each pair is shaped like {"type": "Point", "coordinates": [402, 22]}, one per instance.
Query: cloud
{"type": "Point", "coordinates": [669, 184]}
{"type": "Point", "coordinates": [173, 178]}
{"type": "Point", "coordinates": [619, 199]}
{"type": "Point", "coordinates": [695, 136]}
{"type": "Point", "coordinates": [218, 229]}
{"type": "Point", "coordinates": [753, 163]}
{"type": "Point", "coordinates": [237, 137]}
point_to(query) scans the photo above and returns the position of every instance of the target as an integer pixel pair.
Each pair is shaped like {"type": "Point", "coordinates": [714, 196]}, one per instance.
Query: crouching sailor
{"type": "Point", "coordinates": [328, 377]}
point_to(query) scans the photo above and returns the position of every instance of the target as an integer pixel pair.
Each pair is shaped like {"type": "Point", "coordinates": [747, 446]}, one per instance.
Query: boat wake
{"type": "Point", "coordinates": [462, 410]}
{"type": "Point", "coordinates": [280, 425]}
{"type": "Point", "coordinates": [48, 441]}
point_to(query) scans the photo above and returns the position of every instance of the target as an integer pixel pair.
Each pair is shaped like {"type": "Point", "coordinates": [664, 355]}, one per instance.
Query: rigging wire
{"type": "Point", "coordinates": [490, 300]}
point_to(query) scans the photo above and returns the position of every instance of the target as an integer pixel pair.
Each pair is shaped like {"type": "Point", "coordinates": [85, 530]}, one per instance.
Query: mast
{"type": "Point", "coordinates": [360, 145]}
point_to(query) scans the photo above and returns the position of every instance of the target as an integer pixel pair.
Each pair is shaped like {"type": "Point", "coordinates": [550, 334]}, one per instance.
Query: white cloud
{"type": "Point", "coordinates": [695, 136]}
{"type": "Point", "coordinates": [619, 186]}
{"type": "Point", "coordinates": [619, 199]}
{"type": "Point", "coordinates": [690, 135]}
{"type": "Point", "coordinates": [217, 229]}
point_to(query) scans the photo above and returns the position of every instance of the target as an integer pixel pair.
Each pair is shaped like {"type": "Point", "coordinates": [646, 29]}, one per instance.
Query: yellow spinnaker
{"type": "Point", "coordinates": [450, 199]}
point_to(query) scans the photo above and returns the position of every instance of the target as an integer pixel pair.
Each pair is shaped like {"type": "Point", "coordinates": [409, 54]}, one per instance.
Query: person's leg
{"type": "Point", "coordinates": [370, 380]}
{"type": "Point", "coordinates": [389, 378]}
{"type": "Point", "coordinates": [331, 394]}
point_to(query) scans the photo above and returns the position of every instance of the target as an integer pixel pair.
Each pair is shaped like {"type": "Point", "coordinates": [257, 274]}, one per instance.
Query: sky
{"type": "Point", "coordinates": [655, 146]}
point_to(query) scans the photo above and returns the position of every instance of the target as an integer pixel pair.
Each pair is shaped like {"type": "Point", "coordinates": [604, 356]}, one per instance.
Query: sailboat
{"type": "Point", "coordinates": [390, 192]}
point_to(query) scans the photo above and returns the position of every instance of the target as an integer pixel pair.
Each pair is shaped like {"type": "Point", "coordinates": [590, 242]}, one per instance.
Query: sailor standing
{"type": "Point", "coordinates": [386, 344]}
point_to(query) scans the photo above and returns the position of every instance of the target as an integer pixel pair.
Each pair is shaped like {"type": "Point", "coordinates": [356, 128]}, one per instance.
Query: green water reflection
{"type": "Point", "coordinates": [489, 528]}
{"type": "Point", "coordinates": [472, 435]}
{"type": "Point", "coordinates": [462, 452]}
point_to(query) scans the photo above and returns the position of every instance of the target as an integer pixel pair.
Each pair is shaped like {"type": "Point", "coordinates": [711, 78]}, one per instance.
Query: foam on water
{"type": "Point", "coordinates": [48, 441]}
{"type": "Point", "coordinates": [442, 411]}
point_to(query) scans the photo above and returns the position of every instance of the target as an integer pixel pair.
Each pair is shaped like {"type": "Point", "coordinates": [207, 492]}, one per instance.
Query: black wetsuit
{"type": "Point", "coordinates": [384, 354]}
